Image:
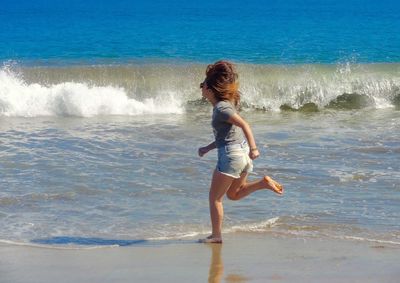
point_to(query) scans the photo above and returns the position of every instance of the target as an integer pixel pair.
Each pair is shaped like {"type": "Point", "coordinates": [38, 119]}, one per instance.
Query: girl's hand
{"type": "Point", "coordinates": [203, 150]}
{"type": "Point", "coordinates": [254, 154]}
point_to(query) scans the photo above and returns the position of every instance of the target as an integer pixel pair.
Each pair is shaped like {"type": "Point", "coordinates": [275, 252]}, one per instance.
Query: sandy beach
{"type": "Point", "coordinates": [242, 258]}
{"type": "Point", "coordinates": [101, 119]}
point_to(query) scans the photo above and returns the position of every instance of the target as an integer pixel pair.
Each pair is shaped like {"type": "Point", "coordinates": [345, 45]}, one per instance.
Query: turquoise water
{"type": "Point", "coordinates": [101, 118]}
{"type": "Point", "coordinates": [279, 32]}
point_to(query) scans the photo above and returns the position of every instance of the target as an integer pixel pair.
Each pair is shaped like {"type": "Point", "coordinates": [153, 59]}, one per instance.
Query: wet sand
{"type": "Point", "coordinates": [242, 258]}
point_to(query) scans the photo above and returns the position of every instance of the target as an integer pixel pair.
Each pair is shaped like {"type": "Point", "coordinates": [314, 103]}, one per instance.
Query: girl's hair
{"type": "Point", "coordinates": [221, 78]}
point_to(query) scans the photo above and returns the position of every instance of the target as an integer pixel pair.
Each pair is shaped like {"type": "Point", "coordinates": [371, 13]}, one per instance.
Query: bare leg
{"type": "Point", "coordinates": [219, 185]}
{"type": "Point", "coordinates": [241, 188]}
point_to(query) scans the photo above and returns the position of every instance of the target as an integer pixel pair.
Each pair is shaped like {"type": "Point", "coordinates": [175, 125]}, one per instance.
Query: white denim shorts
{"type": "Point", "coordinates": [233, 160]}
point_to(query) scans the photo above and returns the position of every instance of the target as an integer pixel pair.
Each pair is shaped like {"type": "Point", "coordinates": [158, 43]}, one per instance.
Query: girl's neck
{"type": "Point", "coordinates": [213, 101]}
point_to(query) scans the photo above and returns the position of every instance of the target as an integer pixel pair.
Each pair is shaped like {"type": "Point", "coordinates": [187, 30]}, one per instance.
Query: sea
{"type": "Point", "coordinates": [101, 117]}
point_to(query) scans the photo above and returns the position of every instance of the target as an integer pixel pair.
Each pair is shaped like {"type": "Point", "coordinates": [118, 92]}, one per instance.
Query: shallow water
{"type": "Point", "coordinates": [120, 177]}
{"type": "Point", "coordinates": [101, 118]}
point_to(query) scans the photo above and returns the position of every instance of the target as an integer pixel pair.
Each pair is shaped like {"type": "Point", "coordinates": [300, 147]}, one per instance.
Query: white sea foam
{"type": "Point", "coordinates": [19, 99]}
{"type": "Point", "coordinates": [255, 227]}
{"type": "Point", "coordinates": [270, 88]}
{"type": "Point", "coordinates": [178, 236]}
{"type": "Point", "coordinates": [368, 240]}
{"type": "Point", "coordinates": [99, 90]}
{"type": "Point", "coordinates": [29, 244]}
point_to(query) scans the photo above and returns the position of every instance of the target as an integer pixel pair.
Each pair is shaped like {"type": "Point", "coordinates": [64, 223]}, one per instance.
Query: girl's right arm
{"type": "Point", "coordinates": [203, 150]}
{"type": "Point", "coordinates": [240, 122]}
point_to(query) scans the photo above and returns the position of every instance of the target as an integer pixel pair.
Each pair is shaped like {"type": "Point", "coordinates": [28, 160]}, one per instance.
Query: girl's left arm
{"type": "Point", "coordinates": [236, 120]}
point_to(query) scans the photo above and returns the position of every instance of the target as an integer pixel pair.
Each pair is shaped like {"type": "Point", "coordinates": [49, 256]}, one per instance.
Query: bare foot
{"type": "Point", "coordinates": [273, 185]}
{"type": "Point", "coordinates": [211, 240]}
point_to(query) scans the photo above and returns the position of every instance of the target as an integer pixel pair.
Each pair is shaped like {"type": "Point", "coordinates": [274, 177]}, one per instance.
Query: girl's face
{"type": "Point", "coordinates": [206, 92]}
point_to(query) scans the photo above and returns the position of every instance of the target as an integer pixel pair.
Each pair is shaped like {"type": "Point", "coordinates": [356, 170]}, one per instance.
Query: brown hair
{"type": "Point", "coordinates": [221, 78]}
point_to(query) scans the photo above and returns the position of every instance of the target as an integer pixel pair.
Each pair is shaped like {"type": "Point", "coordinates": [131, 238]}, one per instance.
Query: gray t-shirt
{"type": "Point", "coordinates": [225, 133]}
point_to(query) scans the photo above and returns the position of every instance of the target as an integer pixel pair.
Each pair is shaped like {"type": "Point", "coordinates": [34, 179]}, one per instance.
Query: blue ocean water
{"type": "Point", "coordinates": [101, 118]}
{"type": "Point", "coordinates": [254, 31]}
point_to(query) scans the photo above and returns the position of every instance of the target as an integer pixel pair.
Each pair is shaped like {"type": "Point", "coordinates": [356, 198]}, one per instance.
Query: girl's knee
{"type": "Point", "coordinates": [214, 198]}
{"type": "Point", "coordinates": [232, 196]}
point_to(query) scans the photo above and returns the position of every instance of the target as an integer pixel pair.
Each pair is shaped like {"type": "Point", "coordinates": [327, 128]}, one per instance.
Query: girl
{"type": "Point", "coordinates": [233, 137]}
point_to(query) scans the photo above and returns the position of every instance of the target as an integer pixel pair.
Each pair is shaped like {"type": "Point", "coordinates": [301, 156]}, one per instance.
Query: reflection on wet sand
{"type": "Point", "coordinates": [217, 267]}
{"type": "Point", "coordinates": [216, 264]}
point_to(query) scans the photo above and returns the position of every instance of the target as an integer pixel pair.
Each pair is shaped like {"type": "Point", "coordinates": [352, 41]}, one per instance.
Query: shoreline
{"type": "Point", "coordinates": [242, 258]}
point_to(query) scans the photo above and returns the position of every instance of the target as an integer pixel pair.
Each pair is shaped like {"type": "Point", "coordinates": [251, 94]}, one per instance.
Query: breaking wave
{"type": "Point", "coordinates": [21, 99]}
{"type": "Point", "coordinates": [87, 91]}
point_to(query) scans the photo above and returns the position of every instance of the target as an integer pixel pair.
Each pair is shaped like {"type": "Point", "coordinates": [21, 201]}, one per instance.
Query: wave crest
{"type": "Point", "coordinates": [313, 87]}
{"type": "Point", "coordinates": [87, 91]}
{"type": "Point", "coordinates": [20, 99]}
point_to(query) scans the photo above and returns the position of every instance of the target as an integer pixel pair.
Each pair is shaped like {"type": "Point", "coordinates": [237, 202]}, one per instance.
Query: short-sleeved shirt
{"type": "Point", "coordinates": [225, 133]}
